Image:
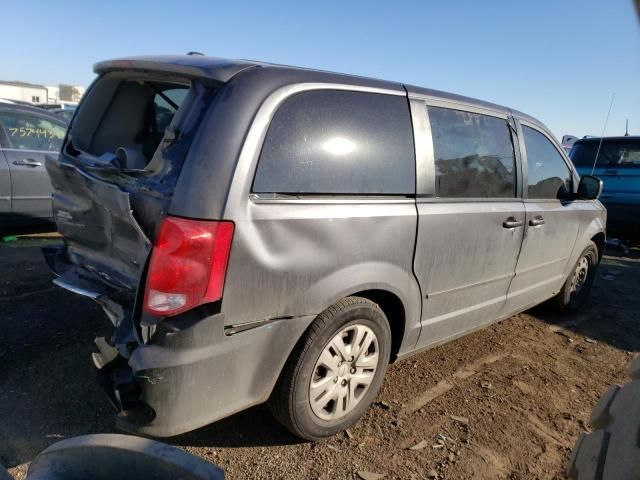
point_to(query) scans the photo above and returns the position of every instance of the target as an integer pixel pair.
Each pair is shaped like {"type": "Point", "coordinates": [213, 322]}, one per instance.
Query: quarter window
{"type": "Point", "coordinates": [473, 155]}
{"type": "Point", "coordinates": [338, 142]}
{"type": "Point", "coordinates": [548, 174]}
{"type": "Point", "coordinates": [32, 132]}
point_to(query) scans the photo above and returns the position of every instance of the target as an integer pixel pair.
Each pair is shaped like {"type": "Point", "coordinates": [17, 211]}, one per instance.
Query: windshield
{"type": "Point", "coordinates": [613, 154]}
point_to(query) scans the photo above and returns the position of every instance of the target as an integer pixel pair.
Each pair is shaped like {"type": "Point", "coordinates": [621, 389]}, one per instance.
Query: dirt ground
{"type": "Point", "coordinates": [505, 402]}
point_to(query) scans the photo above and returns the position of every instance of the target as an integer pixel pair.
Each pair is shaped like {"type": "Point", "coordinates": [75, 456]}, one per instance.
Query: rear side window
{"type": "Point", "coordinates": [338, 142]}
{"type": "Point", "coordinates": [613, 154]}
{"type": "Point", "coordinates": [32, 132]}
{"type": "Point", "coordinates": [473, 155]}
{"type": "Point", "coordinates": [548, 174]}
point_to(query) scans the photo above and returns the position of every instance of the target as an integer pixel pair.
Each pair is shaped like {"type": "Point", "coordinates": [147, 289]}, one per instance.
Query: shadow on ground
{"type": "Point", "coordinates": [252, 428]}
{"type": "Point", "coordinates": [611, 314]}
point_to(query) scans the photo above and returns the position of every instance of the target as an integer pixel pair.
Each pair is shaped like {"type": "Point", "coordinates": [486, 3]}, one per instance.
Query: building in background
{"type": "Point", "coordinates": [65, 93]}
{"type": "Point", "coordinates": [32, 93]}
{"type": "Point", "coordinates": [24, 92]}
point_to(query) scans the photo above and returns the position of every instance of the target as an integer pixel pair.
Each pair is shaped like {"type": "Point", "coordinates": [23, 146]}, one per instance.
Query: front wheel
{"type": "Point", "coordinates": [335, 370]}
{"type": "Point", "coordinates": [575, 291]}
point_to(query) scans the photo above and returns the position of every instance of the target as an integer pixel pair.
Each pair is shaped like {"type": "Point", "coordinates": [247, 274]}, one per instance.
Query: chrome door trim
{"type": "Point", "coordinates": [27, 150]}
{"type": "Point", "coordinates": [332, 200]}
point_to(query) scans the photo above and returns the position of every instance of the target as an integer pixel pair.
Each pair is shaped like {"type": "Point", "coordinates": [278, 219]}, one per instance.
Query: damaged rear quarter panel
{"type": "Point", "coordinates": [96, 220]}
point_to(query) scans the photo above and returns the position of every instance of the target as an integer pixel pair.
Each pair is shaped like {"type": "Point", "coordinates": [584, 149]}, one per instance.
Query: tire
{"type": "Point", "coordinates": [575, 291]}
{"type": "Point", "coordinates": [314, 358]}
{"type": "Point", "coordinates": [612, 451]}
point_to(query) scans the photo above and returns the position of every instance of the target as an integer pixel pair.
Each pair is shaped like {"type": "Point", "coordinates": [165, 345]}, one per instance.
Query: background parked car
{"type": "Point", "coordinates": [567, 142]}
{"type": "Point", "coordinates": [57, 106]}
{"type": "Point", "coordinates": [618, 165]}
{"type": "Point", "coordinates": [27, 134]}
{"type": "Point", "coordinates": [64, 113]}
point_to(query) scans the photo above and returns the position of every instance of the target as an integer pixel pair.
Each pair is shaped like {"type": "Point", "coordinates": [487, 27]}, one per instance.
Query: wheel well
{"type": "Point", "coordinates": [393, 308]}
{"type": "Point", "coordinates": [599, 240]}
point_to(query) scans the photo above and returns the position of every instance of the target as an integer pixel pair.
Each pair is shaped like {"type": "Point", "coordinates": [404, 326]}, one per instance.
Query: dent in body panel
{"type": "Point", "coordinates": [97, 223]}
{"type": "Point", "coordinates": [285, 250]}
{"type": "Point", "coordinates": [212, 368]}
{"type": "Point", "coordinates": [298, 258]}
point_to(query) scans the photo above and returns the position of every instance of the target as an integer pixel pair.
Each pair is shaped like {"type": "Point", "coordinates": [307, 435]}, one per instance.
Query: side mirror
{"type": "Point", "coordinates": [589, 188]}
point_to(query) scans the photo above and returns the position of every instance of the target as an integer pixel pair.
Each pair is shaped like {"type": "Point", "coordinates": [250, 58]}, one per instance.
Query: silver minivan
{"type": "Point", "coordinates": [257, 232]}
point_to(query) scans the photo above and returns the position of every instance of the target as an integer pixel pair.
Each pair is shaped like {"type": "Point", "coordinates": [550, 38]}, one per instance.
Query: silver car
{"type": "Point", "coordinates": [256, 232]}
{"type": "Point", "coordinates": [27, 134]}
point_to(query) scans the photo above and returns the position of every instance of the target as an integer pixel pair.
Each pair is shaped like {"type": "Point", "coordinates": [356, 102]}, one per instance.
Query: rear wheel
{"type": "Point", "coordinates": [575, 291]}
{"type": "Point", "coordinates": [335, 371]}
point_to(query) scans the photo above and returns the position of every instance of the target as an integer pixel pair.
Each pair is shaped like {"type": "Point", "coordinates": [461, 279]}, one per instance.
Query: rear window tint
{"type": "Point", "coordinates": [473, 154]}
{"type": "Point", "coordinates": [613, 154]}
{"type": "Point", "coordinates": [338, 142]}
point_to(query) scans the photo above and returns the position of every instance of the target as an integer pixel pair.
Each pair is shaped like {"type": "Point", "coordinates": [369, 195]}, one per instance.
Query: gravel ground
{"type": "Point", "coordinates": [505, 402]}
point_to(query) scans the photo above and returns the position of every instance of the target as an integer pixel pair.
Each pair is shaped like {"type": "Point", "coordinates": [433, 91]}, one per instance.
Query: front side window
{"type": "Point", "coordinates": [548, 174]}
{"type": "Point", "coordinates": [338, 142]}
{"type": "Point", "coordinates": [473, 155]}
{"type": "Point", "coordinates": [32, 132]}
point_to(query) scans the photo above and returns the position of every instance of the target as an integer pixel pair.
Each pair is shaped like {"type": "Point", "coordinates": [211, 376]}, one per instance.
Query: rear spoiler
{"type": "Point", "coordinates": [192, 66]}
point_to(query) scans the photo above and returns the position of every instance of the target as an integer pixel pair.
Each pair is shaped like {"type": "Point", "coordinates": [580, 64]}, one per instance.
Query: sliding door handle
{"type": "Point", "coordinates": [512, 222]}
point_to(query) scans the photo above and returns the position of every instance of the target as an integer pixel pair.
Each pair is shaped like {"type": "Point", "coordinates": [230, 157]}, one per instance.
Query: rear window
{"type": "Point", "coordinates": [338, 142]}
{"type": "Point", "coordinates": [473, 153]}
{"type": "Point", "coordinates": [613, 154]}
{"type": "Point", "coordinates": [127, 115]}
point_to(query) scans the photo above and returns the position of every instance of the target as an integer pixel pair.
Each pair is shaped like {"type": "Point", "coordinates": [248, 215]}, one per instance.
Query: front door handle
{"type": "Point", "coordinates": [536, 222]}
{"type": "Point", "coordinates": [512, 222]}
{"type": "Point", "coordinates": [29, 162]}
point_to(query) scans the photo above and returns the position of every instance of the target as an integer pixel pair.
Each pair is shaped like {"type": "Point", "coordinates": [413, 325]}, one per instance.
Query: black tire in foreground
{"type": "Point", "coordinates": [335, 371]}
{"type": "Point", "coordinates": [612, 450]}
{"type": "Point", "coordinates": [575, 291]}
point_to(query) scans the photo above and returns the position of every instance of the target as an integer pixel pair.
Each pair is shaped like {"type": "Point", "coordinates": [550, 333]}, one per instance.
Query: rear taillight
{"type": "Point", "coordinates": [188, 265]}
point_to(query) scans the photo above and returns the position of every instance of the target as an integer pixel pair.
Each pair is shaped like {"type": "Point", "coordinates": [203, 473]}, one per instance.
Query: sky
{"type": "Point", "coordinates": [560, 61]}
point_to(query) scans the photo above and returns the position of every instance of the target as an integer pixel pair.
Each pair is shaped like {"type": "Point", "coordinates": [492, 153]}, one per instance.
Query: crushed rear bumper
{"type": "Point", "coordinates": [186, 371]}
{"type": "Point", "coordinates": [192, 377]}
